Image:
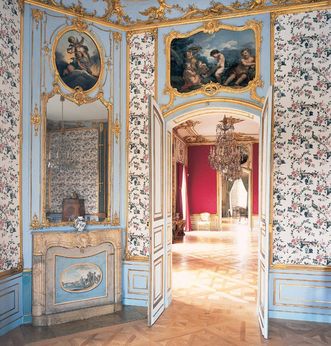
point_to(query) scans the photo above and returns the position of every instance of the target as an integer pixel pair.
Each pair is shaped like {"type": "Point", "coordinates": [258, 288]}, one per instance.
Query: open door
{"type": "Point", "coordinates": [264, 212]}
{"type": "Point", "coordinates": [158, 214]}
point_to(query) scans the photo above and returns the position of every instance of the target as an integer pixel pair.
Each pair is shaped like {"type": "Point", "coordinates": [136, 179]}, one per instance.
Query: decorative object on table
{"type": "Point", "coordinates": [80, 224]}
{"type": "Point", "coordinates": [73, 207]}
{"type": "Point", "coordinates": [227, 155]}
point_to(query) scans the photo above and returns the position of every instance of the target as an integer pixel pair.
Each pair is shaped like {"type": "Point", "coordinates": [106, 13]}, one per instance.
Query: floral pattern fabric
{"type": "Point", "coordinates": [142, 67]}
{"type": "Point", "coordinates": [83, 177]}
{"type": "Point", "coordinates": [302, 154]}
{"type": "Point", "coordinates": [9, 135]}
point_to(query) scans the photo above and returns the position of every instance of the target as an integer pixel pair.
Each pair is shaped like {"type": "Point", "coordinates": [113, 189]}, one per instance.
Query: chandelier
{"type": "Point", "coordinates": [226, 156]}
{"type": "Point", "coordinates": [60, 156]}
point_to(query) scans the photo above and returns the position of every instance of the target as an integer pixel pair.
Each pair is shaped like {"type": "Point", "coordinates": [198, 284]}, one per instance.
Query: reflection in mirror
{"type": "Point", "coordinates": [76, 161]}
{"type": "Point", "coordinates": [235, 198]}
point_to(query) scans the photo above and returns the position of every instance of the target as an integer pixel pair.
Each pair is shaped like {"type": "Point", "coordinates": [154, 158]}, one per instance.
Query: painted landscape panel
{"type": "Point", "coordinates": [81, 277]}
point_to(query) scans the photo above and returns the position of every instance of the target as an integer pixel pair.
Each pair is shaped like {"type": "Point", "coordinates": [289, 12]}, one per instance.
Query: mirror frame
{"type": "Point", "coordinates": [79, 98]}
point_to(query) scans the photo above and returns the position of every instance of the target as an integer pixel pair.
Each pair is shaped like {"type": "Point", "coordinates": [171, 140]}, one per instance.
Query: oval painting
{"type": "Point", "coordinates": [77, 60]}
{"type": "Point", "coordinates": [81, 277]}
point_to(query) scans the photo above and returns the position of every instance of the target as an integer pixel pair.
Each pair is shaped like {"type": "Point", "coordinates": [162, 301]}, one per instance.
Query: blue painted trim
{"type": "Point", "coordinates": [27, 296]}
{"type": "Point", "coordinates": [10, 319]}
{"type": "Point", "coordinates": [134, 302]}
{"type": "Point", "coordinates": [300, 317]}
{"type": "Point", "coordinates": [10, 326]}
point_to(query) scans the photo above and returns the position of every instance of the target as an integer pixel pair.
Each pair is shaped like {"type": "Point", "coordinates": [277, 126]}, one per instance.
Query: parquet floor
{"type": "Point", "coordinates": [214, 302]}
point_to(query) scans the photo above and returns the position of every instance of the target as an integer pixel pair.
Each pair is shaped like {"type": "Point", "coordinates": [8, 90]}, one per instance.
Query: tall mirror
{"type": "Point", "coordinates": [76, 161]}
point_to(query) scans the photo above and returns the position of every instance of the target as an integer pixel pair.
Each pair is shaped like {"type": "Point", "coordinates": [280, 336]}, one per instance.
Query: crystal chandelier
{"type": "Point", "coordinates": [225, 157]}
{"type": "Point", "coordinates": [60, 156]}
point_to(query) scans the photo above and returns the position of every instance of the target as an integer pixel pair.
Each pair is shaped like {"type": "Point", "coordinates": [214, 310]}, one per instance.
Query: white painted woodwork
{"type": "Point", "coordinates": [157, 256]}
{"type": "Point", "coordinates": [264, 212]}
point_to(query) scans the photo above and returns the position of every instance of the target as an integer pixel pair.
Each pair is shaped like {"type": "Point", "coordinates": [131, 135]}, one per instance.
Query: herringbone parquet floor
{"type": "Point", "coordinates": [214, 302]}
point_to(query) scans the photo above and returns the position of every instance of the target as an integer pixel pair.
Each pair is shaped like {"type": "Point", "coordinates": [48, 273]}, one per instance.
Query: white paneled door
{"type": "Point", "coordinates": [264, 212]}
{"type": "Point", "coordinates": [160, 260]}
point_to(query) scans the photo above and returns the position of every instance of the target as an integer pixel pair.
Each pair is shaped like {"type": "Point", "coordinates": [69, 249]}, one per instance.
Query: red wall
{"type": "Point", "coordinates": [202, 184]}
{"type": "Point", "coordinates": [255, 178]}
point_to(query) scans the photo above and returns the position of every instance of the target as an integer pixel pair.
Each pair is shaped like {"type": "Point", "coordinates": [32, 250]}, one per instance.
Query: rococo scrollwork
{"type": "Point", "coordinates": [232, 64]}
{"type": "Point", "coordinates": [114, 11]}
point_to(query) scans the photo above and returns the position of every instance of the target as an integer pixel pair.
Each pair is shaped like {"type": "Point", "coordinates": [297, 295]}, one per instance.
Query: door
{"type": "Point", "coordinates": [264, 212]}
{"type": "Point", "coordinates": [168, 238]}
{"type": "Point", "coordinates": [158, 214]}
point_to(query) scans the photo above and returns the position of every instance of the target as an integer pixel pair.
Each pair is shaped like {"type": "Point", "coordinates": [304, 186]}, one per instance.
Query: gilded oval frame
{"type": "Point", "coordinates": [80, 30]}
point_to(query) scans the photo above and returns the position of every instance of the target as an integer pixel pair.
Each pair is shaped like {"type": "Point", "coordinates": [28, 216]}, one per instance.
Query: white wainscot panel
{"type": "Point", "coordinates": [300, 295]}
{"type": "Point", "coordinates": [135, 283]}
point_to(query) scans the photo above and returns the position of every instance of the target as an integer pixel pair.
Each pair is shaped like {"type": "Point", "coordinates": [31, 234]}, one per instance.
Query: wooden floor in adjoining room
{"type": "Point", "coordinates": [214, 301]}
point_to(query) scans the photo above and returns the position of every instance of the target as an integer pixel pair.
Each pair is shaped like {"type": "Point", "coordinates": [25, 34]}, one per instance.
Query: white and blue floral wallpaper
{"type": "Point", "coordinates": [141, 70]}
{"type": "Point", "coordinates": [83, 177]}
{"type": "Point", "coordinates": [9, 135]}
{"type": "Point", "coordinates": [302, 153]}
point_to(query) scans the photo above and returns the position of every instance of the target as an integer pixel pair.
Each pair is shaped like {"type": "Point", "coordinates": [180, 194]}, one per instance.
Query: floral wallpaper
{"type": "Point", "coordinates": [83, 178]}
{"type": "Point", "coordinates": [9, 135]}
{"type": "Point", "coordinates": [141, 70]}
{"type": "Point", "coordinates": [302, 156]}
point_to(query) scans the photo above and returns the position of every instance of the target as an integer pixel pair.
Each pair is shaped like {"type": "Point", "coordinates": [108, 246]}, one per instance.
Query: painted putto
{"type": "Point", "coordinates": [225, 57]}
{"type": "Point", "coordinates": [77, 60]}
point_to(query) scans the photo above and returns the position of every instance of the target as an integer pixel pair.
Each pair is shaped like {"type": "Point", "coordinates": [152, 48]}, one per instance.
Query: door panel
{"type": "Point", "coordinates": [168, 217]}
{"type": "Point", "coordinates": [264, 212]}
{"type": "Point", "coordinates": [157, 216]}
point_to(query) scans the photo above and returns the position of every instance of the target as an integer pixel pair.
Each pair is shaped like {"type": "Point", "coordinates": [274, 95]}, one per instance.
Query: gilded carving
{"type": "Point", "coordinates": [37, 15]}
{"type": "Point", "coordinates": [158, 13]}
{"type": "Point", "coordinates": [80, 24]}
{"type": "Point", "coordinates": [116, 220]}
{"type": "Point", "coordinates": [117, 36]}
{"type": "Point", "coordinates": [35, 120]}
{"type": "Point", "coordinates": [114, 12]}
{"type": "Point", "coordinates": [35, 224]}
{"type": "Point", "coordinates": [213, 88]}
{"type": "Point", "coordinates": [116, 128]}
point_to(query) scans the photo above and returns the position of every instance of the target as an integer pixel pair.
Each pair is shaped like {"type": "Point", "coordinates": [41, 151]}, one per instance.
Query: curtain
{"type": "Point", "coordinates": [179, 206]}
{"type": "Point", "coordinates": [185, 204]}
{"type": "Point", "coordinates": [182, 205]}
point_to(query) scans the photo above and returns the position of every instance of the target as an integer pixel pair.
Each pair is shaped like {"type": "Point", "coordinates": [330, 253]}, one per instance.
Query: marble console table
{"type": "Point", "coordinates": [75, 275]}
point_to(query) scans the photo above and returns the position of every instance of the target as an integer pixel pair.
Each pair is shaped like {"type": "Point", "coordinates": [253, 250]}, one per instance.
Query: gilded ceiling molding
{"type": "Point", "coordinates": [115, 15]}
{"type": "Point", "coordinates": [114, 8]}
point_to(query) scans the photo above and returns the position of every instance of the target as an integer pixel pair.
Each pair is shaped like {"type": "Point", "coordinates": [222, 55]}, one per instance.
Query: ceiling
{"type": "Point", "coordinates": [202, 128]}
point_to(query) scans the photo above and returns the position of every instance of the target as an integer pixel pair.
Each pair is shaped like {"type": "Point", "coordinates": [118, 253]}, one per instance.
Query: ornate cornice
{"type": "Point", "coordinates": [166, 15]}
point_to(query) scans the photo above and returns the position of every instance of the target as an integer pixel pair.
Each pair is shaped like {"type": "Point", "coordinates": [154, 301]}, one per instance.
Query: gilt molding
{"type": "Point", "coordinates": [165, 14]}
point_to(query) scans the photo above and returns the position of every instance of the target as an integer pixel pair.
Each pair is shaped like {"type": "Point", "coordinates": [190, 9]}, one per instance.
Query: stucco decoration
{"type": "Point", "coordinates": [141, 69]}
{"type": "Point", "coordinates": [302, 163]}
{"type": "Point", "coordinates": [9, 135]}
{"type": "Point", "coordinates": [83, 178]}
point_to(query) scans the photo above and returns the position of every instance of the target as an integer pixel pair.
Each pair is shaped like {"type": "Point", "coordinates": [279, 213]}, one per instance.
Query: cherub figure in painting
{"type": "Point", "coordinates": [81, 59]}
{"type": "Point", "coordinates": [219, 57]}
{"type": "Point", "coordinates": [194, 71]}
{"type": "Point", "coordinates": [241, 72]}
